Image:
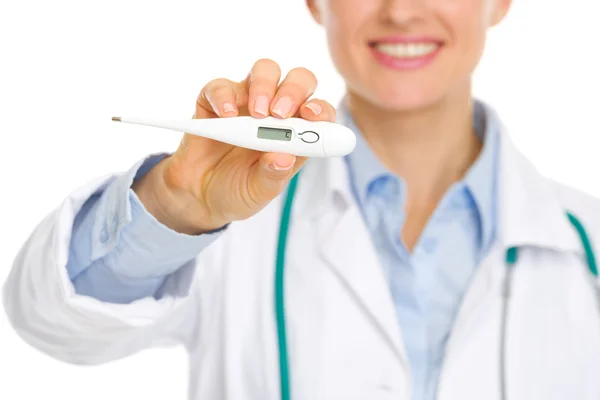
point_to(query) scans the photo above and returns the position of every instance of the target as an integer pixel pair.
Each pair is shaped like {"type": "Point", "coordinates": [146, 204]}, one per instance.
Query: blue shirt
{"type": "Point", "coordinates": [428, 283]}
{"type": "Point", "coordinates": [120, 253]}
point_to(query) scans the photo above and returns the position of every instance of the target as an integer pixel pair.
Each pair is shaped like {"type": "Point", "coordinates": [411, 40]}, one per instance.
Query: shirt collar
{"type": "Point", "coordinates": [367, 172]}
{"type": "Point", "coordinates": [530, 210]}
{"type": "Point", "coordinates": [365, 169]}
{"type": "Point", "coordinates": [481, 178]}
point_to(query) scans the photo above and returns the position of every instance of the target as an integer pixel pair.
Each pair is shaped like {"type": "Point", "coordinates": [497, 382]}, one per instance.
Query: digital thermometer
{"type": "Point", "coordinates": [294, 136]}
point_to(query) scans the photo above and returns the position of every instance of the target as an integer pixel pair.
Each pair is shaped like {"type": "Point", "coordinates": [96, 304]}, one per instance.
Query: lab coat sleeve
{"type": "Point", "coordinates": [47, 312]}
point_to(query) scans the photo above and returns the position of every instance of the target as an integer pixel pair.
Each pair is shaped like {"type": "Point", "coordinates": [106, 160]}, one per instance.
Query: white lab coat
{"type": "Point", "coordinates": [344, 339]}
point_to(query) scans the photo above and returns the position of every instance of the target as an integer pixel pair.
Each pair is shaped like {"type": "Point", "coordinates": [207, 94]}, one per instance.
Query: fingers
{"type": "Point", "coordinates": [267, 96]}
{"type": "Point", "coordinates": [220, 97]}
{"type": "Point", "coordinates": [296, 88]}
{"type": "Point", "coordinates": [262, 84]}
{"type": "Point", "coordinates": [269, 176]}
{"type": "Point", "coordinates": [317, 110]}
{"type": "Point", "coordinates": [277, 162]}
{"type": "Point", "coordinates": [262, 94]}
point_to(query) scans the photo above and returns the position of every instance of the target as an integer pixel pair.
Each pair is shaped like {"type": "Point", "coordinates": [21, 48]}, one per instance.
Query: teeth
{"type": "Point", "coordinates": [407, 50]}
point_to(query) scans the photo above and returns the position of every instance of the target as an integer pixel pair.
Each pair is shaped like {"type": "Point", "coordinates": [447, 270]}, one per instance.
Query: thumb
{"type": "Point", "coordinates": [270, 175]}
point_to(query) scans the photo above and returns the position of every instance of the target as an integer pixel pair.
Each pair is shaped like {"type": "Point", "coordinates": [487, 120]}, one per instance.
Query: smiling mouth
{"type": "Point", "coordinates": [406, 50]}
{"type": "Point", "coordinates": [405, 53]}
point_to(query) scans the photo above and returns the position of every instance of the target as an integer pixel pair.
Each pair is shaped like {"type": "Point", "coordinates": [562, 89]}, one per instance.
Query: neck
{"type": "Point", "coordinates": [429, 148]}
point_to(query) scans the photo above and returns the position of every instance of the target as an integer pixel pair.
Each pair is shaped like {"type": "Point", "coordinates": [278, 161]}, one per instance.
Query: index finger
{"type": "Point", "coordinates": [220, 98]}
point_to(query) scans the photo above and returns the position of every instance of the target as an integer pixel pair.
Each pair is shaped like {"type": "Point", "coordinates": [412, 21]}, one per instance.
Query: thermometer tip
{"type": "Point", "coordinates": [116, 119]}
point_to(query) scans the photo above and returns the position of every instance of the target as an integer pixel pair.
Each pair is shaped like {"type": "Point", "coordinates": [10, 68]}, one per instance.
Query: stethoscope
{"type": "Point", "coordinates": [512, 255]}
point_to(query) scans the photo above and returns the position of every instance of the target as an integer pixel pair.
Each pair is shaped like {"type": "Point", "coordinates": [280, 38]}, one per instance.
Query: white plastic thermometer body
{"type": "Point", "coordinates": [294, 136]}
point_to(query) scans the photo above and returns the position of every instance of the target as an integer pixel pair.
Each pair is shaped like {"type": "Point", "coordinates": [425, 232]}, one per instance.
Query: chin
{"type": "Point", "coordinates": [402, 97]}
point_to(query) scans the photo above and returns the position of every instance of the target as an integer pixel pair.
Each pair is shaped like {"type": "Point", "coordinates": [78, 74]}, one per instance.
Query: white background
{"type": "Point", "coordinates": [68, 66]}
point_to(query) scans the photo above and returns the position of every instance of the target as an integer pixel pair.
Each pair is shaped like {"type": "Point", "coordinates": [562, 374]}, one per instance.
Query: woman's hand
{"type": "Point", "coordinates": [206, 184]}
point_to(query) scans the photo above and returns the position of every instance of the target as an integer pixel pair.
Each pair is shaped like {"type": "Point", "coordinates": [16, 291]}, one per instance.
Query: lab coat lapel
{"type": "Point", "coordinates": [529, 214]}
{"type": "Point", "coordinates": [346, 246]}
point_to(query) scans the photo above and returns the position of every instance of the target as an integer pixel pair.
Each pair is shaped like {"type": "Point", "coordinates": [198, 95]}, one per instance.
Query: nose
{"type": "Point", "coordinates": [403, 12]}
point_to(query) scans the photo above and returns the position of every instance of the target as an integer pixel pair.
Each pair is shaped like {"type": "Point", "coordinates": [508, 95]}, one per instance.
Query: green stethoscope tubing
{"type": "Point", "coordinates": [512, 255]}
{"type": "Point", "coordinates": [284, 373]}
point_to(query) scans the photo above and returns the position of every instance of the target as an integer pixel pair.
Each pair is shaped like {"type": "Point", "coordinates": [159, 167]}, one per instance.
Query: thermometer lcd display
{"type": "Point", "coordinates": [275, 134]}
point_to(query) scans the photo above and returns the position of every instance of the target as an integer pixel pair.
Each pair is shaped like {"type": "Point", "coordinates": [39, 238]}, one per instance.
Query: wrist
{"type": "Point", "coordinates": [172, 207]}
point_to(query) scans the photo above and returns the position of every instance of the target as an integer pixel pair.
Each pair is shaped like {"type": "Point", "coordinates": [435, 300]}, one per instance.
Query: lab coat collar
{"type": "Point", "coordinates": [529, 209]}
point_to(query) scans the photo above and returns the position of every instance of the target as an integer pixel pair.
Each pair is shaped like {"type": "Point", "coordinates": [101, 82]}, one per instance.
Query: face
{"type": "Point", "coordinates": [407, 54]}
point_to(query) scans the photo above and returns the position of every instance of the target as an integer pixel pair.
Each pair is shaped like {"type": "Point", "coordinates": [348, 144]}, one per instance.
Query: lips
{"type": "Point", "coordinates": [405, 52]}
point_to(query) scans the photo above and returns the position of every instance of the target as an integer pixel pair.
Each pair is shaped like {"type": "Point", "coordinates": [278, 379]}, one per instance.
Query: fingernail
{"type": "Point", "coordinates": [315, 108]}
{"type": "Point", "coordinates": [282, 163]}
{"type": "Point", "coordinates": [228, 107]}
{"type": "Point", "coordinates": [283, 107]}
{"type": "Point", "coordinates": [276, 167]}
{"type": "Point", "coordinates": [261, 105]}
